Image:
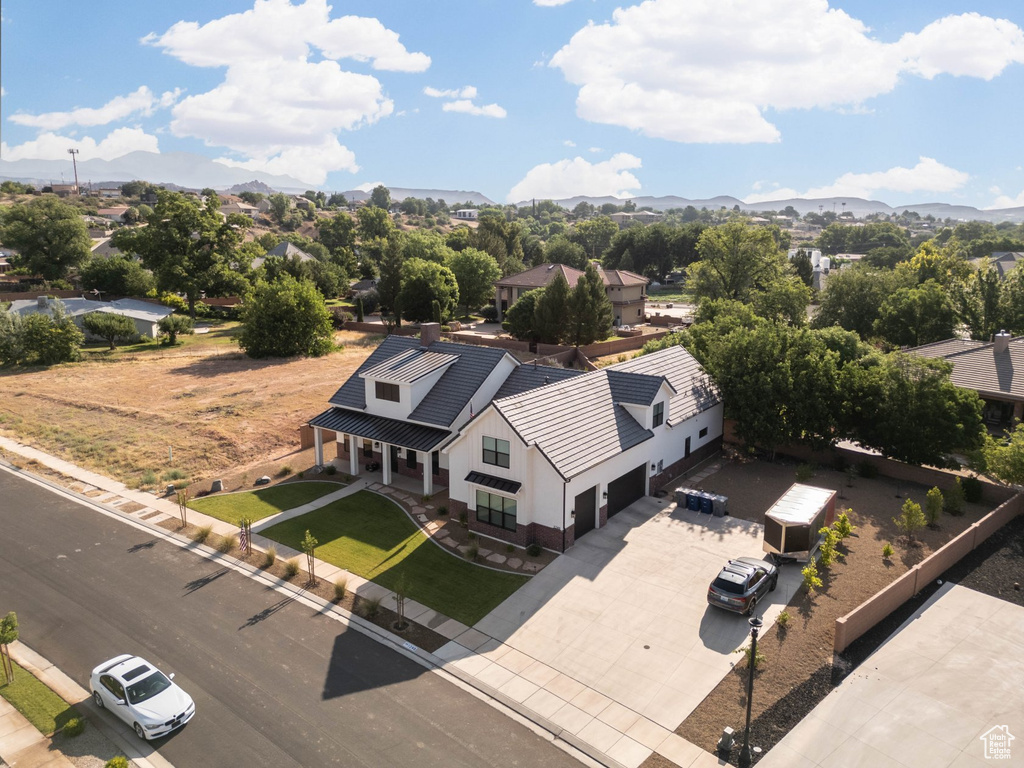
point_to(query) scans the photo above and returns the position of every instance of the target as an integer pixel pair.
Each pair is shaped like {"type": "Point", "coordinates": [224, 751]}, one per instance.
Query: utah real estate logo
{"type": "Point", "coordinates": [997, 742]}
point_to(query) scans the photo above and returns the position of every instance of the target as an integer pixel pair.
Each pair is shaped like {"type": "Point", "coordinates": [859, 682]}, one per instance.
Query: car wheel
{"type": "Point", "coordinates": [751, 605]}
{"type": "Point", "coordinates": [775, 583]}
{"type": "Point", "coordinates": [141, 733]}
{"type": "Point", "coordinates": [98, 699]}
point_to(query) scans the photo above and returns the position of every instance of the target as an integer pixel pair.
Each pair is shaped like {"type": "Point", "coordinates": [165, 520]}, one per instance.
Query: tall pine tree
{"type": "Point", "coordinates": [590, 310]}
{"type": "Point", "coordinates": [549, 318]}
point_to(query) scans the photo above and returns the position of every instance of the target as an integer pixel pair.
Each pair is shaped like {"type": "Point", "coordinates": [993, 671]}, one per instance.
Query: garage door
{"type": "Point", "coordinates": [626, 489]}
{"type": "Point", "coordinates": [586, 511]}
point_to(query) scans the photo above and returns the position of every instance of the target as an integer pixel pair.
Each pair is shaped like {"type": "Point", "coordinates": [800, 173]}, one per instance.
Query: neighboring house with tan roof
{"type": "Point", "coordinates": [285, 250]}
{"type": "Point", "coordinates": [627, 291]}
{"type": "Point", "coordinates": [117, 213]}
{"type": "Point", "coordinates": [251, 211]}
{"type": "Point", "coordinates": [995, 370]}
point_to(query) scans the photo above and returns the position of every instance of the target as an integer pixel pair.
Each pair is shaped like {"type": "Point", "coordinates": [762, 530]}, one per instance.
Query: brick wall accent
{"type": "Point", "coordinates": [522, 536]}
{"type": "Point", "coordinates": [602, 515]}
{"type": "Point", "coordinates": [881, 604]}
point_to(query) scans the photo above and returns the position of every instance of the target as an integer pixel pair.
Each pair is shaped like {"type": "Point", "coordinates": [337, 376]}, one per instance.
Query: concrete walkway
{"type": "Point", "coordinates": [948, 678]}
{"type": "Point", "coordinates": [21, 745]}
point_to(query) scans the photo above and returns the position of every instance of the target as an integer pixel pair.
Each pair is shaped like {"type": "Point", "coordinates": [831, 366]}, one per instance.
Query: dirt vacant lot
{"type": "Point", "coordinates": [193, 412]}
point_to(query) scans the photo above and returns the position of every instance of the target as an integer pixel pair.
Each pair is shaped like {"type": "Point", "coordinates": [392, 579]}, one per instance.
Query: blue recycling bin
{"type": "Point", "coordinates": [707, 503]}
{"type": "Point", "coordinates": [693, 500]}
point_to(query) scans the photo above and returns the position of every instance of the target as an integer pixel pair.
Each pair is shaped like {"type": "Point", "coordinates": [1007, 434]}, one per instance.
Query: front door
{"type": "Point", "coordinates": [586, 512]}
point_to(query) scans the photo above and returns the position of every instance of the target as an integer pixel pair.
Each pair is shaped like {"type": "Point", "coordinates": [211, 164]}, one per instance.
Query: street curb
{"type": "Point", "coordinates": [422, 657]}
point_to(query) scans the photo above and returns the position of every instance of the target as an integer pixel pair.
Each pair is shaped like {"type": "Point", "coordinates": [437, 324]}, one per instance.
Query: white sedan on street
{"type": "Point", "coordinates": [141, 695]}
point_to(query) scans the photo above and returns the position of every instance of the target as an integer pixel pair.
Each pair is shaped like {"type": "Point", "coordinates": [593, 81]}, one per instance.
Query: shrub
{"type": "Point", "coordinates": [117, 762]}
{"type": "Point", "coordinates": [284, 471]}
{"type": "Point", "coordinates": [368, 607]}
{"type": "Point", "coordinates": [933, 505]}
{"type": "Point", "coordinates": [442, 511]}
{"type": "Point", "coordinates": [472, 551]}
{"type": "Point", "coordinates": [174, 474]}
{"type": "Point", "coordinates": [202, 534]}
{"type": "Point", "coordinates": [843, 525]}
{"type": "Point", "coordinates": [331, 469]}
{"type": "Point", "coordinates": [955, 499]}
{"type": "Point", "coordinates": [227, 543]}
{"type": "Point", "coordinates": [291, 568]}
{"type": "Point", "coordinates": [887, 551]}
{"type": "Point", "coordinates": [804, 472]}
{"type": "Point", "coordinates": [73, 727]}
{"type": "Point", "coordinates": [510, 548]}
{"type": "Point", "coordinates": [533, 550]}
{"type": "Point", "coordinates": [867, 470]}
{"type": "Point", "coordinates": [489, 313]}
{"type": "Point", "coordinates": [828, 546]}
{"type": "Point", "coordinates": [148, 478]}
{"type": "Point", "coordinates": [269, 557]}
{"type": "Point", "coordinates": [472, 536]}
{"type": "Point", "coordinates": [911, 519]}
{"type": "Point", "coordinates": [758, 660]}
{"type": "Point", "coordinates": [972, 489]}
{"type": "Point", "coordinates": [340, 587]}
{"type": "Point", "coordinates": [810, 574]}
{"type": "Point", "coordinates": [463, 519]}
{"type": "Point", "coordinates": [783, 619]}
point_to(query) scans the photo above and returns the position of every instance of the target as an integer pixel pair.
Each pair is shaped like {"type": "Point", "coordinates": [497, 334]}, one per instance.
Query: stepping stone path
{"type": "Point", "coordinates": [450, 542]}
{"type": "Point", "coordinates": [532, 567]}
{"type": "Point", "coordinates": [421, 518]}
{"type": "Point", "coordinates": [418, 510]}
{"type": "Point", "coordinates": [483, 552]}
{"type": "Point", "coordinates": [499, 559]}
{"type": "Point", "coordinates": [514, 562]}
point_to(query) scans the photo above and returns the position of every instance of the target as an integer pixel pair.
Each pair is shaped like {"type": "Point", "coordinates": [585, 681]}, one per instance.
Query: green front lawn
{"type": "Point", "coordinates": [265, 502]}
{"type": "Point", "coordinates": [42, 707]}
{"type": "Point", "coordinates": [373, 538]}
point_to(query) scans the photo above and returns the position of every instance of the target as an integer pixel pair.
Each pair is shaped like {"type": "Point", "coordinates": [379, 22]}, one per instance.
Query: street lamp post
{"type": "Point", "coordinates": [755, 625]}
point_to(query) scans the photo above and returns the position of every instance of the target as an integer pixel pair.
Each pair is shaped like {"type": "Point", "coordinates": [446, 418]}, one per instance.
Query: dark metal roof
{"type": "Point", "coordinates": [352, 393]}
{"type": "Point", "coordinates": [527, 377]}
{"type": "Point", "coordinates": [694, 390]}
{"type": "Point", "coordinates": [391, 431]}
{"type": "Point", "coordinates": [406, 367]}
{"type": "Point", "coordinates": [634, 388]}
{"type": "Point", "coordinates": [496, 483]}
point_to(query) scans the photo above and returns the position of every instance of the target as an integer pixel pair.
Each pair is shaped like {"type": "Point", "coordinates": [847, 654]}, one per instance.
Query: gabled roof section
{"type": "Point", "coordinates": [448, 397]}
{"type": "Point", "coordinates": [576, 423]}
{"type": "Point", "coordinates": [289, 250]}
{"type": "Point", "coordinates": [998, 375]}
{"type": "Point", "coordinates": [622, 277]}
{"type": "Point", "coordinates": [541, 275]}
{"type": "Point", "coordinates": [635, 388]}
{"type": "Point", "coordinates": [391, 431]}
{"type": "Point", "coordinates": [946, 347]}
{"type": "Point", "coordinates": [408, 366]}
{"type": "Point", "coordinates": [693, 387]}
{"type": "Point", "coordinates": [527, 377]}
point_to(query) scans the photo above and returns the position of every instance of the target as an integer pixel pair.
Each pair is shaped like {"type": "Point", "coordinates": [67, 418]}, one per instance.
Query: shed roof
{"type": "Point", "coordinates": [800, 504]}
{"type": "Point", "coordinates": [694, 390]}
{"type": "Point", "coordinates": [391, 431]}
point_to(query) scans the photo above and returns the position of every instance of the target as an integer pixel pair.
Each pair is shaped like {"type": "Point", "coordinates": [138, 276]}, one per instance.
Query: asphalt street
{"type": "Point", "coordinates": [275, 683]}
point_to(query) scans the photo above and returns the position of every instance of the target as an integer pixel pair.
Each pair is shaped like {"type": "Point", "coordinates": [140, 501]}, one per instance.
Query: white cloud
{"type": "Point", "coordinates": [928, 175]}
{"type": "Point", "coordinates": [579, 177]}
{"type": "Point", "coordinates": [369, 186]}
{"type": "Point", "coordinates": [51, 146]}
{"type": "Point", "coordinates": [469, 108]}
{"type": "Point", "coordinates": [594, 149]}
{"type": "Point", "coordinates": [569, 143]}
{"type": "Point", "coordinates": [468, 92]}
{"type": "Point", "coordinates": [711, 70]}
{"type": "Point", "coordinates": [1005, 201]}
{"type": "Point", "coordinates": [550, 3]}
{"type": "Point", "coordinates": [285, 97]}
{"type": "Point", "coordinates": [141, 101]}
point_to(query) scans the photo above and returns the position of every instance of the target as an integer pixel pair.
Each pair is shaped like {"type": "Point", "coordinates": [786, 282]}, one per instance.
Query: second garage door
{"type": "Point", "coordinates": [626, 489]}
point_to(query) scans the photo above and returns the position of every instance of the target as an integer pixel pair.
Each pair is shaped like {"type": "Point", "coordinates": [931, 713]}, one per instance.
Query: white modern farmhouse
{"type": "Point", "coordinates": [532, 453]}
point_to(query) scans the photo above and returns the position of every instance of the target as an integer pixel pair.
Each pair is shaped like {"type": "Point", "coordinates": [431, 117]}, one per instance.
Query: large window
{"type": "Point", "coordinates": [496, 452]}
{"type": "Point", "coordinates": [659, 414]}
{"type": "Point", "coordinates": [703, 432]}
{"type": "Point", "coordinates": [496, 510]}
{"type": "Point", "coordinates": [387, 391]}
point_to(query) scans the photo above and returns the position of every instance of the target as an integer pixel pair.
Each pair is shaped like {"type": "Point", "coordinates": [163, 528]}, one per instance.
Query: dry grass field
{"type": "Point", "coordinates": [213, 410]}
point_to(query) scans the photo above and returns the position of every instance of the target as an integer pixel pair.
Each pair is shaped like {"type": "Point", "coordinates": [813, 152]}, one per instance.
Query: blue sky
{"type": "Point", "coordinates": [761, 99]}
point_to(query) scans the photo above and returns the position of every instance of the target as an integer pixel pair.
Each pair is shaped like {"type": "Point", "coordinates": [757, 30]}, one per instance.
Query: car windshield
{"type": "Point", "coordinates": [148, 687]}
{"type": "Point", "coordinates": [723, 584]}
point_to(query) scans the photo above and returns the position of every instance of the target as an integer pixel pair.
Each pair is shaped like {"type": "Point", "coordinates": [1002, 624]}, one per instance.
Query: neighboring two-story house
{"type": "Point", "coordinates": [627, 291]}
{"type": "Point", "coordinates": [532, 453]}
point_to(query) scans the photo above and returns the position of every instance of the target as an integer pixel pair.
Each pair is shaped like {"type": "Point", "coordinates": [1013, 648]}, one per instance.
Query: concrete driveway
{"type": "Point", "coordinates": [948, 677]}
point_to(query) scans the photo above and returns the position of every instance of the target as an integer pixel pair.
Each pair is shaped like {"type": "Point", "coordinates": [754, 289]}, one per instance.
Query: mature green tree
{"type": "Point", "coordinates": [49, 235]}
{"type": "Point", "coordinates": [736, 262]}
{"type": "Point", "coordinates": [285, 318]}
{"type": "Point", "coordinates": [425, 282]}
{"type": "Point", "coordinates": [784, 300]}
{"type": "Point", "coordinates": [337, 232]}
{"type": "Point", "coordinates": [173, 326]}
{"type": "Point", "coordinates": [501, 239]}
{"type": "Point", "coordinates": [590, 314]}
{"type": "Point", "coordinates": [389, 287]}
{"type": "Point", "coordinates": [475, 272]}
{"type": "Point", "coordinates": [914, 316]}
{"type": "Point", "coordinates": [907, 408]}
{"type": "Point", "coordinates": [1012, 302]}
{"type": "Point", "coordinates": [12, 338]}
{"type": "Point", "coordinates": [594, 235]}
{"type": "Point", "coordinates": [252, 198]}
{"type": "Point", "coordinates": [551, 311]}
{"type": "Point", "coordinates": [977, 298]}
{"type": "Point", "coordinates": [280, 205]}
{"type": "Point", "coordinates": [117, 275]}
{"type": "Point", "coordinates": [110, 327]}
{"type": "Point", "coordinates": [49, 339]}
{"type": "Point", "coordinates": [459, 238]}
{"type": "Point", "coordinates": [1004, 458]}
{"type": "Point", "coordinates": [374, 223]}
{"type": "Point", "coordinates": [520, 317]}
{"type": "Point", "coordinates": [380, 197]}
{"type": "Point", "coordinates": [337, 200]}
{"type": "Point", "coordinates": [561, 250]}
{"type": "Point", "coordinates": [801, 263]}
{"type": "Point", "coordinates": [188, 247]}
{"type": "Point", "coordinates": [429, 246]}
{"type": "Point", "coordinates": [852, 298]}
{"type": "Point", "coordinates": [846, 238]}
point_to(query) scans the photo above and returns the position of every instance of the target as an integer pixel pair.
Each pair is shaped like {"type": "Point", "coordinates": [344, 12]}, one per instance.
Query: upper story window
{"type": "Point", "coordinates": [387, 391]}
{"type": "Point", "coordinates": [496, 452]}
{"type": "Point", "coordinates": [659, 414]}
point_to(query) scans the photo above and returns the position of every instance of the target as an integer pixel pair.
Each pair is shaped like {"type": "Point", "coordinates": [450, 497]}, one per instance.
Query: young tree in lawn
{"type": "Point", "coordinates": [910, 520]}
{"type": "Point", "coordinates": [551, 310]}
{"type": "Point", "coordinates": [174, 325]}
{"type": "Point", "coordinates": [49, 235]}
{"type": "Point", "coordinates": [423, 283]}
{"type": "Point", "coordinates": [110, 327]}
{"type": "Point", "coordinates": [8, 634]}
{"type": "Point", "coordinates": [475, 272]}
{"type": "Point", "coordinates": [285, 318]}
{"type": "Point", "coordinates": [933, 505]}
{"type": "Point", "coordinates": [590, 310]}
{"type": "Point", "coordinates": [309, 545]}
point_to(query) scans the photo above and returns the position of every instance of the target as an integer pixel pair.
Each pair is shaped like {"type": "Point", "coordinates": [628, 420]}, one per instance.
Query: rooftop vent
{"type": "Point", "coordinates": [1001, 342]}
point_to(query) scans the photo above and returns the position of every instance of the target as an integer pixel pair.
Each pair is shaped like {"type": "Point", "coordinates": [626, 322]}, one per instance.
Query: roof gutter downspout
{"type": "Point", "coordinates": [563, 517]}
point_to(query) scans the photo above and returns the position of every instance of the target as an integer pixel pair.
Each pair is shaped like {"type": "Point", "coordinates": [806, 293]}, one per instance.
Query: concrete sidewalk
{"type": "Point", "coordinates": [22, 746]}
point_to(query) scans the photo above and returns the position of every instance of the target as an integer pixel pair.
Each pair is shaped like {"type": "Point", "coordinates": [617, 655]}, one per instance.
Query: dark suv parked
{"type": "Point", "coordinates": [742, 583]}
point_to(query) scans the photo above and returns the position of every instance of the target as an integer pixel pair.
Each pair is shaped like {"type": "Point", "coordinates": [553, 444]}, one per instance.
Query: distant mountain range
{"type": "Point", "coordinates": [190, 171]}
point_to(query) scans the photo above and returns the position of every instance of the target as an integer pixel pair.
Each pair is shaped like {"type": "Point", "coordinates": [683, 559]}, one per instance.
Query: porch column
{"type": "Point", "coordinates": [318, 446]}
{"type": "Point", "coordinates": [385, 462]}
{"type": "Point", "coordinates": [428, 471]}
{"type": "Point", "coordinates": [497, 302]}
{"type": "Point", "coordinates": [353, 456]}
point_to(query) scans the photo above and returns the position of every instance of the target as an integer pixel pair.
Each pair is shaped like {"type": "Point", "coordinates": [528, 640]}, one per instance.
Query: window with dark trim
{"type": "Point", "coordinates": [703, 432]}
{"type": "Point", "coordinates": [496, 452]}
{"type": "Point", "coordinates": [410, 459]}
{"type": "Point", "coordinates": [659, 414]}
{"type": "Point", "coordinates": [387, 391]}
{"type": "Point", "coordinates": [368, 449]}
{"type": "Point", "coordinates": [496, 510]}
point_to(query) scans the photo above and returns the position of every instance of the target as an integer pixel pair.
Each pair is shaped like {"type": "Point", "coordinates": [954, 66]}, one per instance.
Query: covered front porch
{"type": "Point", "coordinates": [382, 448]}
